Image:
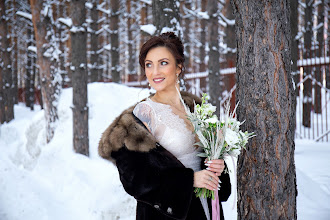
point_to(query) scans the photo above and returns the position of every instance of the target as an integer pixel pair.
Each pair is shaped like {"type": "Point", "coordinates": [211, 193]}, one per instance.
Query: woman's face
{"type": "Point", "coordinates": [161, 69]}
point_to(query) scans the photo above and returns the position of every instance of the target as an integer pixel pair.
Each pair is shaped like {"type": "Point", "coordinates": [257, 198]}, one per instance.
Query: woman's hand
{"type": "Point", "coordinates": [216, 166]}
{"type": "Point", "coordinates": [206, 179]}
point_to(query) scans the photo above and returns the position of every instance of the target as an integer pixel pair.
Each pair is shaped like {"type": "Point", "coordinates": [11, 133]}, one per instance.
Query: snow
{"type": "Point", "coordinates": [148, 28]}
{"type": "Point", "coordinates": [66, 21]}
{"type": "Point", "coordinates": [50, 181]}
{"type": "Point", "coordinates": [25, 15]}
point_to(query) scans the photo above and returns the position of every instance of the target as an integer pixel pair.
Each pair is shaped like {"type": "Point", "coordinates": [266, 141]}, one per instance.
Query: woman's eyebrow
{"type": "Point", "coordinates": [163, 59]}
{"type": "Point", "coordinates": [158, 60]}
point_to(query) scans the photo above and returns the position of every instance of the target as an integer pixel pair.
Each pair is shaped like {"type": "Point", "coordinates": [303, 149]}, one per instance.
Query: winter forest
{"type": "Point", "coordinates": [273, 57]}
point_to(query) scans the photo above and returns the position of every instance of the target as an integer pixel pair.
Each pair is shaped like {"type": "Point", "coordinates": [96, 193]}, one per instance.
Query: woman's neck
{"type": "Point", "coordinates": [169, 97]}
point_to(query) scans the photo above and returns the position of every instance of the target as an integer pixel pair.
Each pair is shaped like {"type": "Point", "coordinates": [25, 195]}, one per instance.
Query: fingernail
{"type": "Point", "coordinates": [218, 185]}
{"type": "Point", "coordinates": [208, 168]}
{"type": "Point", "coordinates": [218, 188]}
{"type": "Point", "coordinates": [209, 161]}
{"type": "Point", "coordinates": [207, 164]}
{"type": "Point", "coordinates": [219, 181]}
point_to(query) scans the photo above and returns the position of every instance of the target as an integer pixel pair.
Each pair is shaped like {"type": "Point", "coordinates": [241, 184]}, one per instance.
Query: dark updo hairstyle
{"type": "Point", "coordinates": [168, 40]}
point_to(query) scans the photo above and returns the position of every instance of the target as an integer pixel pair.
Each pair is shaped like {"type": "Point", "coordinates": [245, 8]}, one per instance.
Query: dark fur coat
{"type": "Point", "coordinates": [159, 182]}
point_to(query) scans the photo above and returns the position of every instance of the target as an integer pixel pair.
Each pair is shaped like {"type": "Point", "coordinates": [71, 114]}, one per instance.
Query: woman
{"type": "Point", "coordinates": [151, 143]}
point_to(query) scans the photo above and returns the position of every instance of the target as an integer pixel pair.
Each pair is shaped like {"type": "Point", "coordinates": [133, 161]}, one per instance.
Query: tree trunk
{"type": "Point", "coordinates": [214, 55]}
{"type": "Point", "coordinates": [294, 42]}
{"type": "Point", "coordinates": [94, 44]}
{"type": "Point", "coordinates": [166, 16]}
{"type": "Point", "coordinates": [202, 54]}
{"type": "Point", "coordinates": [266, 169]}
{"type": "Point", "coordinates": [6, 98]}
{"type": "Point", "coordinates": [14, 53]}
{"type": "Point", "coordinates": [188, 21]}
{"type": "Point", "coordinates": [47, 61]}
{"type": "Point", "coordinates": [307, 103]}
{"type": "Point", "coordinates": [79, 77]}
{"type": "Point", "coordinates": [319, 53]}
{"type": "Point", "coordinates": [29, 80]}
{"type": "Point", "coordinates": [327, 67]}
{"type": "Point", "coordinates": [114, 39]}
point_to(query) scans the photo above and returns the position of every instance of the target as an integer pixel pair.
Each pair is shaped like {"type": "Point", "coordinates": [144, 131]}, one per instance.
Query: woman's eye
{"type": "Point", "coordinates": [163, 63]}
{"type": "Point", "coordinates": [148, 65]}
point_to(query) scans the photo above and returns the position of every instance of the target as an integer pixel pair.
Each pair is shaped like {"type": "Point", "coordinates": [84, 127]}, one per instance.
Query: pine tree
{"type": "Point", "coordinates": [79, 77]}
{"type": "Point", "coordinates": [266, 169]}
{"type": "Point", "coordinates": [47, 60]}
{"type": "Point", "coordinates": [6, 98]}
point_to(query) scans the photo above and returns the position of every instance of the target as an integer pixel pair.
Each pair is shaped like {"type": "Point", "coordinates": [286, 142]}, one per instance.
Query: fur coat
{"type": "Point", "coordinates": [159, 182]}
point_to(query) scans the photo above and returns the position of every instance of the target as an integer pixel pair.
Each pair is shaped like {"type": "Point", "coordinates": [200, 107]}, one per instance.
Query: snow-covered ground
{"type": "Point", "coordinates": [50, 181]}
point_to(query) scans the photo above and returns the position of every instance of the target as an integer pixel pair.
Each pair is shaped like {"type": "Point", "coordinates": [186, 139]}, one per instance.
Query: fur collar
{"type": "Point", "coordinates": [126, 130]}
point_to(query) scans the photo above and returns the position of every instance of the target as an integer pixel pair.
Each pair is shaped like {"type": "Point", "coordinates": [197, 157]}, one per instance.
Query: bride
{"type": "Point", "coordinates": [151, 143]}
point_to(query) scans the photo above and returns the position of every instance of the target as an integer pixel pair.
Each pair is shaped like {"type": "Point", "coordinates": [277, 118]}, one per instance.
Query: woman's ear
{"type": "Point", "coordinates": [179, 69]}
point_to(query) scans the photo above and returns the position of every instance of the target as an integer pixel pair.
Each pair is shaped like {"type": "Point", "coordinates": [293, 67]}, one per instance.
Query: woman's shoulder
{"type": "Point", "coordinates": [123, 131]}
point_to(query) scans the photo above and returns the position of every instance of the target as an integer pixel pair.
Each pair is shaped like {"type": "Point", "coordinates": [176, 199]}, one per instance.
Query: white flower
{"type": "Point", "coordinates": [212, 120]}
{"type": "Point", "coordinates": [231, 137]}
{"type": "Point", "coordinates": [209, 109]}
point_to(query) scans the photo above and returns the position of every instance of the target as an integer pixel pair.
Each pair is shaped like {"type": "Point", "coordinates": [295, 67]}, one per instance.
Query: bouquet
{"type": "Point", "coordinates": [218, 138]}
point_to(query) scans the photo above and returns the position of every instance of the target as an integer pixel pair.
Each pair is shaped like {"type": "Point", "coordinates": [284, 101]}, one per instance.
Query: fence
{"type": "Point", "coordinates": [319, 127]}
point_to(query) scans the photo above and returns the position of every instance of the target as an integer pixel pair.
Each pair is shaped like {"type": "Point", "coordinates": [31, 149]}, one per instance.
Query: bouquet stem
{"type": "Point", "coordinates": [204, 193]}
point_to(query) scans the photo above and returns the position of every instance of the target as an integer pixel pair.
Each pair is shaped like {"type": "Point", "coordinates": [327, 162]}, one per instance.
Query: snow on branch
{"type": "Point", "coordinates": [148, 28]}
{"type": "Point", "coordinates": [25, 15]}
{"type": "Point", "coordinates": [148, 2]}
{"type": "Point", "coordinates": [198, 14]}
{"type": "Point", "coordinates": [228, 21]}
{"type": "Point", "coordinates": [66, 21]}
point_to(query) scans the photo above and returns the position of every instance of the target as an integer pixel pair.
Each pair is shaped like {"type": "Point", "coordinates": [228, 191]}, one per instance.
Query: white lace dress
{"type": "Point", "coordinates": [171, 132]}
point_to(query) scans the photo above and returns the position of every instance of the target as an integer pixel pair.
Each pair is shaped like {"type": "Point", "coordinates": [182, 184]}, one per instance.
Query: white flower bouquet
{"type": "Point", "coordinates": [218, 138]}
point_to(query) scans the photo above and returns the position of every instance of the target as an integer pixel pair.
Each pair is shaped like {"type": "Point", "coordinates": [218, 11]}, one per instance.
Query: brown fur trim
{"type": "Point", "coordinates": [125, 131]}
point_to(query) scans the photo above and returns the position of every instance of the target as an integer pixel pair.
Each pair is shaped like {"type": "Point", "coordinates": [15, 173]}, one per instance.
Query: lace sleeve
{"type": "Point", "coordinates": [146, 114]}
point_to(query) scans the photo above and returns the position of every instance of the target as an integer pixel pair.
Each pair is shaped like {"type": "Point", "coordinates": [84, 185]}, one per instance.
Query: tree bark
{"type": "Point", "coordinates": [114, 39]}
{"type": "Point", "coordinates": [294, 43]}
{"type": "Point", "coordinates": [266, 169]}
{"type": "Point", "coordinates": [202, 53]}
{"type": "Point", "coordinates": [166, 17]}
{"type": "Point", "coordinates": [79, 77]}
{"type": "Point", "coordinates": [29, 80]}
{"type": "Point", "coordinates": [6, 98]}
{"type": "Point", "coordinates": [94, 43]}
{"type": "Point", "coordinates": [214, 55]}
{"type": "Point", "coordinates": [319, 53]}
{"type": "Point", "coordinates": [307, 103]}
{"type": "Point", "coordinates": [327, 53]}
{"type": "Point", "coordinates": [47, 61]}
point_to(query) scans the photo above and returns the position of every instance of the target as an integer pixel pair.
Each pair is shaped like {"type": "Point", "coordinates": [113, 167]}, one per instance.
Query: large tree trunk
{"type": "Point", "coordinates": [319, 53]}
{"type": "Point", "coordinates": [114, 39]}
{"type": "Point", "coordinates": [46, 59]}
{"type": "Point", "coordinates": [307, 104]}
{"type": "Point", "coordinates": [166, 16]}
{"type": "Point", "coordinates": [266, 169]}
{"type": "Point", "coordinates": [94, 44]}
{"type": "Point", "coordinates": [6, 97]}
{"type": "Point", "coordinates": [79, 77]}
{"type": "Point", "coordinates": [294, 42]}
{"type": "Point", "coordinates": [214, 55]}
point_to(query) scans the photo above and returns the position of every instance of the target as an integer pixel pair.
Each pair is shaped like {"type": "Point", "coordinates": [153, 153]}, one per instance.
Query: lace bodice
{"type": "Point", "coordinates": [170, 131]}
